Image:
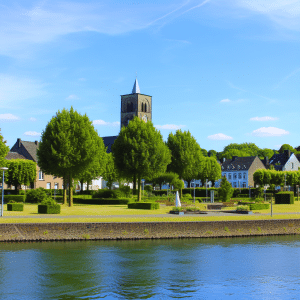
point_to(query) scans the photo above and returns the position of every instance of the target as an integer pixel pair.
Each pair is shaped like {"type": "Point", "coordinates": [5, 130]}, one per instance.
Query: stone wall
{"type": "Point", "coordinates": [146, 230]}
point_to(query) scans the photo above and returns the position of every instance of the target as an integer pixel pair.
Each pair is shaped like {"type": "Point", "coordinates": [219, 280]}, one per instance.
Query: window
{"type": "Point", "coordinates": [229, 176]}
{"type": "Point", "coordinates": [244, 184]}
{"type": "Point", "coordinates": [48, 186]}
{"type": "Point", "coordinates": [41, 175]}
{"type": "Point", "coordinates": [234, 176]}
{"type": "Point", "coordinates": [244, 176]}
{"type": "Point", "coordinates": [292, 165]}
{"type": "Point", "coordinates": [240, 175]}
{"type": "Point", "coordinates": [145, 107]}
{"type": "Point", "coordinates": [234, 184]}
{"type": "Point", "coordinates": [142, 106]}
{"type": "Point", "coordinates": [56, 186]}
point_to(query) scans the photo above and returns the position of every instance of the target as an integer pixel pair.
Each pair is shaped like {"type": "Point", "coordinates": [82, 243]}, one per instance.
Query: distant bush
{"type": "Point", "coordinates": [15, 207]}
{"type": "Point", "coordinates": [242, 208]}
{"type": "Point", "coordinates": [105, 193]}
{"type": "Point", "coordinates": [102, 201]}
{"type": "Point", "coordinates": [259, 206]}
{"type": "Point", "coordinates": [17, 198]}
{"type": "Point", "coordinates": [124, 191]}
{"type": "Point", "coordinates": [144, 205]}
{"type": "Point", "coordinates": [36, 195]}
{"type": "Point", "coordinates": [284, 198]}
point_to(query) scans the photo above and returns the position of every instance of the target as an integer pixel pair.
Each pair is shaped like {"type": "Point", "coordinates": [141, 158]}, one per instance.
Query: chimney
{"type": "Point", "coordinates": [36, 142]}
{"type": "Point", "coordinates": [287, 153]}
{"type": "Point", "coordinates": [19, 143]}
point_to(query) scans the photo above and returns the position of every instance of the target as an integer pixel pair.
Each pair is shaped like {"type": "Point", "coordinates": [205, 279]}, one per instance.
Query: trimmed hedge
{"type": "Point", "coordinates": [144, 205]}
{"type": "Point", "coordinates": [259, 206]}
{"type": "Point", "coordinates": [160, 193]}
{"type": "Point", "coordinates": [101, 201]}
{"type": "Point", "coordinates": [107, 194]}
{"type": "Point", "coordinates": [48, 209]}
{"type": "Point", "coordinates": [284, 198]}
{"type": "Point", "coordinates": [15, 206]}
{"type": "Point", "coordinates": [18, 198]}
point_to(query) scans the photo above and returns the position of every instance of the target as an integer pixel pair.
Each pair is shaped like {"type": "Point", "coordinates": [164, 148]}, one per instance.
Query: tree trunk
{"type": "Point", "coordinates": [81, 185]}
{"type": "Point", "coordinates": [134, 182]}
{"type": "Point", "coordinates": [87, 185]}
{"type": "Point", "coordinates": [65, 190]}
{"type": "Point", "coordinates": [139, 189]}
{"type": "Point", "coordinates": [70, 190]}
{"type": "Point", "coordinates": [189, 183]}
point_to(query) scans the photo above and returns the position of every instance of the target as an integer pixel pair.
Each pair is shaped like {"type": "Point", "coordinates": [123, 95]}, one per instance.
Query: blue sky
{"type": "Point", "coordinates": [227, 71]}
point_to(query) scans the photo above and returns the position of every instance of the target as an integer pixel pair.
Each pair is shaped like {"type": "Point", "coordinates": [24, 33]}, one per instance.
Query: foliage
{"type": "Point", "coordinates": [213, 153]}
{"type": "Point", "coordinates": [164, 178]}
{"type": "Point", "coordinates": [110, 173]}
{"type": "Point", "coordinates": [36, 195]}
{"type": "Point", "coordinates": [259, 206]}
{"type": "Point", "coordinates": [3, 151]}
{"type": "Point", "coordinates": [105, 193]}
{"type": "Point", "coordinates": [284, 198]}
{"type": "Point", "coordinates": [148, 188]}
{"type": "Point", "coordinates": [240, 150]}
{"type": "Point", "coordinates": [178, 184]}
{"type": "Point", "coordinates": [225, 190]}
{"type": "Point", "coordinates": [49, 201]}
{"type": "Point", "coordinates": [69, 146]}
{"type": "Point", "coordinates": [211, 170]}
{"type": "Point", "coordinates": [20, 171]}
{"type": "Point", "coordinates": [286, 147]}
{"type": "Point", "coordinates": [144, 205]}
{"type": "Point", "coordinates": [242, 208]}
{"type": "Point", "coordinates": [49, 209]}
{"type": "Point", "coordinates": [186, 155]}
{"type": "Point", "coordinates": [177, 208]}
{"type": "Point", "coordinates": [125, 191]}
{"type": "Point", "coordinates": [17, 198]}
{"type": "Point", "coordinates": [204, 152]}
{"type": "Point", "coordinates": [15, 206]}
{"type": "Point", "coordinates": [140, 152]}
{"type": "Point", "coordinates": [102, 201]}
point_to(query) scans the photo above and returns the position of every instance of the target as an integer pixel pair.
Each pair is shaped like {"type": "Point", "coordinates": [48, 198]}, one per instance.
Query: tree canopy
{"type": "Point", "coordinates": [110, 173]}
{"type": "Point", "coordinates": [140, 152]}
{"type": "Point", "coordinates": [3, 150]}
{"type": "Point", "coordinates": [186, 155]}
{"type": "Point", "coordinates": [20, 171]}
{"type": "Point", "coordinates": [211, 170]}
{"type": "Point", "coordinates": [69, 146]}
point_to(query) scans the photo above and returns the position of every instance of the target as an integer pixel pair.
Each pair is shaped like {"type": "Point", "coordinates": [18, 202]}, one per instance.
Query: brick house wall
{"type": "Point", "coordinates": [257, 164]}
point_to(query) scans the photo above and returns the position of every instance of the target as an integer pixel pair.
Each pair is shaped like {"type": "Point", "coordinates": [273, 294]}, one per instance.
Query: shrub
{"type": "Point", "coordinates": [242, 208]}
{"type": "Point", "coordinates": [259, 200]}
{"type": "Point", "coordinates": [225, 190]}
{"type": "Point", "coordinates": [49, 201]}
{"type": "Point", "coordinates": [259, 206]}
{"type": "Point", "coordinates": [48, 209]}
{"type": "Point", "coordinates": [17, 198]}
{"type": "Point", "coordinates": [177, 208]}
{"type": "Point", "coordinates": [243, 195]}
{"type": "Point", "coordinates": [15, 206]}
{"type": "Point", "coordinates": [144, 205]}
{"type": "Point", "coordinates": [161, 192]}
{"type": "Point", "coordinates": [99, 201]}
{"type": "Point", "coordinates": [36, 196]}
{"type": "Point", "coordinates": [148, 188]}
{"type": "Point", "coordinates": [124, 191]}
{"type": "Point", "coordinates": [105, 193]}
{"type": "Point", "coordinates": [284, 198]}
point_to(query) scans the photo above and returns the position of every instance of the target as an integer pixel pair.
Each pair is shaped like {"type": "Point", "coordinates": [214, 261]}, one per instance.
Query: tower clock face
{"type": "Point", "coordinates": [144, 118]}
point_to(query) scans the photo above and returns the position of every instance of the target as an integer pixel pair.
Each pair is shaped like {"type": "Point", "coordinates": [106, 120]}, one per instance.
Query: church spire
{"type": "Point", "coordinates": [136, 88]}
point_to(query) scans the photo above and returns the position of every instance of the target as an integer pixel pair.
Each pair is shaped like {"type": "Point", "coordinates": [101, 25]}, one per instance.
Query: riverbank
{"type": "Point", "coordinates": [18, 232]}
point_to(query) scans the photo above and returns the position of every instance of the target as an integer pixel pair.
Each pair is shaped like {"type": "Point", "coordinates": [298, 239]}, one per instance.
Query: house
{"type": "Point", "coordinates": [239, 170]}
{"type": "Point", "coordinates": [28, 150]}
{"type": "Point", "coordinates": [286, 161]}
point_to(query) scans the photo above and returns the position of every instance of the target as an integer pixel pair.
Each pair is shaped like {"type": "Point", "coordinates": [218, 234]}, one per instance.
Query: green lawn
{"type": "Point", "coordinates": [109, 211]}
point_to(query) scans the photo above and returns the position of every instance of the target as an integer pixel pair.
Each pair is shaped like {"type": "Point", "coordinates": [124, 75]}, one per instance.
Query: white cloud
{"type": "Point", "coordinates": [269, 131]}
{"type": "Point", "coordinates": [263, 119]}
{"type": "Point", "coordinates": [72, 97]}
{"type": "Point", "coordinates": [32, 119]}
{"type": "Point", "coordinates": [225, 101]}
{"type": "Point", "coordinates": [8, 117]}
{"type": "Point", "coordinates": [219, 136]}
{"type": "Point", "coordinates": [32, 133]}
{"type": "Point", "coordinates": [170, 126]}
{"type": "Point", "coordinates": [104, 123]}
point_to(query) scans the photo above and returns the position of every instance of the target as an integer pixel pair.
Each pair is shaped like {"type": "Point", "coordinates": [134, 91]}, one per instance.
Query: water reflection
{"type": "Point", "coordinates": [248, 268]}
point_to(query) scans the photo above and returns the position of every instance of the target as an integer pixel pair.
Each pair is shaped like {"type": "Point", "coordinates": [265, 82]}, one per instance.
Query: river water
{"type": "Point", "coordinates": [233, 268]}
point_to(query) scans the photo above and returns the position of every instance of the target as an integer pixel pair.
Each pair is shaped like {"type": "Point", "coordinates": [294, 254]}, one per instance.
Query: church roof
{"type": "Point", "coordinates": [108, 141]}
{"type": "Point", "coordinates": [136, 88]}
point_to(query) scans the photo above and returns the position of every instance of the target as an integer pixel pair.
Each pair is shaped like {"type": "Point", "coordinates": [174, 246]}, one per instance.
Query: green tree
{"type": "Point", "coordinates": [96, 168]}
{"type": "Point", "coordinates": [110, 173]}
{"type": "Point", "coordinates": [20, 171]}
{"type": "Point", "coordinates": [286, 147]}
{"type": "Point", "coordinates": [140, 152]}
{"type": "Point", "coordinates": [3, 152]}
{"type": "Point", "coordinates": [225, 190]}
{"type": "Point", "coordinates": [164, 178]}
{"type": "Point", "coordinates": [204, 152]}
{"type": "Point", "coordinates": [212, 153]}
{"type": "Point", "coordinates": [210, 170]}
{"type": "Point", "coordinates": [186, 155]}
{"type": "Point", "coordinates": [68, 147]}
{"type": "Point", "coordinates": [240, 150]}
{"type": "Point", "coordinates": [266, 153]}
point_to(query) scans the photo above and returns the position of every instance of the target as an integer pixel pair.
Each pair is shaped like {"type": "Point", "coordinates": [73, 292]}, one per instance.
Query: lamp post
{"type": "Point", "coordinates": [3, 170]}
{"type": "Point", "coordinates": [194, 189]}
{"type": "Point", "coordinates": [206, 188]}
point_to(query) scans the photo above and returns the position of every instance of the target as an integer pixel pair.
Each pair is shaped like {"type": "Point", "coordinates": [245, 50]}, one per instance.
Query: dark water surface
{"type": "Point", "coordinates": [236, 268]}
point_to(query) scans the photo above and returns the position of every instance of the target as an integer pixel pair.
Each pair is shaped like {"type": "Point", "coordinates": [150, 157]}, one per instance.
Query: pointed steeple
{"type": "Point", "coordinates": [136, 88]}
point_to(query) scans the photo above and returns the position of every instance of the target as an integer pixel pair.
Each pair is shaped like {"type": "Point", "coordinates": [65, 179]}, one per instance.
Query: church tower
{"type": "Point", "coordinates": [135, 104]}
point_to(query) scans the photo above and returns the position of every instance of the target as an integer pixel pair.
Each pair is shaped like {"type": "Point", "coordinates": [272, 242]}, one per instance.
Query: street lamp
{"type": "Point", "coordinates": [3, 170]}
{"type": "Point", "coordinates": [194, 189]}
